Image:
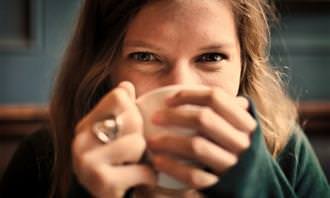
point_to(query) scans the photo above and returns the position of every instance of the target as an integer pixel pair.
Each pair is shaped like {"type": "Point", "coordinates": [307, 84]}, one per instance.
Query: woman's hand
{"type": "Point", "coordinates": [109, 170]}
{"type": "Point", "coordinates": [223, 132]}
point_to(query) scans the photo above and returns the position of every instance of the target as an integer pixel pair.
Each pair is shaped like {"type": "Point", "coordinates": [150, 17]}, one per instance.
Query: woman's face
{"type": "Point", "coordinates": [181, 42]}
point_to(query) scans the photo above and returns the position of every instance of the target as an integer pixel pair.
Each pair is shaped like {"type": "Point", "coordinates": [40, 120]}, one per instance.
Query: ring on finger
{"type": "Point", "coordinates": [106, 130]}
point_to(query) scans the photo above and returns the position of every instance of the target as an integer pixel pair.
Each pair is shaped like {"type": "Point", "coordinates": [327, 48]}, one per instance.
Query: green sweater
{"type": "Point", "coordinates": [295, 172]}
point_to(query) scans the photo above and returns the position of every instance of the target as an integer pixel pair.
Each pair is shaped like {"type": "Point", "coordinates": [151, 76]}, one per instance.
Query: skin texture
{"type": "Point", "coordinates": [181, 42]}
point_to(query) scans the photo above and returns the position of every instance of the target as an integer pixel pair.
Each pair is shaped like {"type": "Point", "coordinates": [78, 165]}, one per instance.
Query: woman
{"type": "Point", "coordinates": [123, 49]}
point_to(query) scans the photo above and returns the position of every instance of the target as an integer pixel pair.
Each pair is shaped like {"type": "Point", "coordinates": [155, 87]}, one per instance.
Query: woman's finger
{"type": "Point", "coordinates": [222, 103]}
{"type": "Point", "coordinates": [208, 124]}
{"type": "Point", "coordinates": [128, 122]}
{"type": "Point", "coordinates": [124, 150]}
{"type": "Point", "coordinates": [113, 104]}
{"type": "Point", "coordinates": [194, 148]}
{"type": "Point", "coordinates": [129, 88]}
{"type": "Point", "coordinates": [128, 149]}
{"type": "Point", "coordinates": [115, 181]}
{"type": "Point", "coordinates": [117, 103]}
{"type": "Point", "coordinates": [134, 175]}
{"type": "Point", "coordinates": [188, 174]}
{"type": "Point", "coordinates": [108, 170]}
{"type": "Point", "coordinates": [243, 102]}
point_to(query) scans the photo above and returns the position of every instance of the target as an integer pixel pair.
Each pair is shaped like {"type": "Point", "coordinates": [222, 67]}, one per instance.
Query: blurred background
{"type": "Point", "coordinates": [34, 34]}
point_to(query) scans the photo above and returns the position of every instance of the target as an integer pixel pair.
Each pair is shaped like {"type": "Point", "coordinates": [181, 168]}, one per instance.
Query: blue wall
{"type": "Point", "coordinates": [302, 44]}
{"type": "Point", "coordinates": [27, 73]}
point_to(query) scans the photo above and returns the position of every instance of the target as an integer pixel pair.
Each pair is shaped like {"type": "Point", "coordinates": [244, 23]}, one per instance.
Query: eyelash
{"type": "Point", "coordinates": [142, 56]}
{"type": "Point", "coordinates": [217, 57]}
{"type": "Point", "coordinates": [148, 57]}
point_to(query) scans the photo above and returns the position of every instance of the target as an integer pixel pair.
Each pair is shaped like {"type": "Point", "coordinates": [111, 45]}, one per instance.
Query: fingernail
{"type": "Point", "coordinates": [205, 180]}
{"type": "Point", "coordinates": [168, 100]}
{"type": "Point", "coordinates": [151, 139]}
{"type": "Point", "coordinates": [155, 159]}
{"type": "Point", "coordinates": [158, 118]}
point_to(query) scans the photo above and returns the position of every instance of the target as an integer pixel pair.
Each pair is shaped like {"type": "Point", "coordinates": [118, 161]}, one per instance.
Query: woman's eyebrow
{"type": "Point", "coordinates": [217, 46]}
{"type": "Point", "coordinates": [142, 44]}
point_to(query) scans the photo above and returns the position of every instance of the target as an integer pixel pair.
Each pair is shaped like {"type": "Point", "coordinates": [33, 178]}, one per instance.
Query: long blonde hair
{"type": "Point", "coordinates": [85, 72]}
{"type": "Point", "coordinates": [261, 82]}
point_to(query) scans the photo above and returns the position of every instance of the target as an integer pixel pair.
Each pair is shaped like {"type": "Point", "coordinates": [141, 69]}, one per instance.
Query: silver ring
{"type": "Point", "coordinates": [106, 130]}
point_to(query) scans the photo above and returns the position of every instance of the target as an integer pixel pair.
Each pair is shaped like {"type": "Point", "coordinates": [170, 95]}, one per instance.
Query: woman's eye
{"type": "Point", "coordinates": [142, 56]}
{"type": "Point", "coordinates": [211, 57]}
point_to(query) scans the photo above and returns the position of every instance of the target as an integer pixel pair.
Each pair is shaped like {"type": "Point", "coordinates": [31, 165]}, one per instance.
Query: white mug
{"type": "Point", "coordinates": [151, 102]}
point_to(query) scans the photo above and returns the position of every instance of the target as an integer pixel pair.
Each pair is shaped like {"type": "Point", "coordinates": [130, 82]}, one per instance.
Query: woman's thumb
{"type": "Point", "coordinates": [129, 87]}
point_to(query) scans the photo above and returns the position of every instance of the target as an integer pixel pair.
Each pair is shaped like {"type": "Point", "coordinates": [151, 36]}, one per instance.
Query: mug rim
{"type": "Point", "coordinates": [175, 87]}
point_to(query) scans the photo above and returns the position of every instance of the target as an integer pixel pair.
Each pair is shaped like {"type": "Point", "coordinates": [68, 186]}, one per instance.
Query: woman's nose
{"type": "Point", "coordinates": [182, 74]}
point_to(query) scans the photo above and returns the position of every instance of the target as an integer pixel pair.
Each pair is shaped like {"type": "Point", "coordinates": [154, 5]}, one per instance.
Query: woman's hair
{"type": "Point", "coordinates": [86, 71]}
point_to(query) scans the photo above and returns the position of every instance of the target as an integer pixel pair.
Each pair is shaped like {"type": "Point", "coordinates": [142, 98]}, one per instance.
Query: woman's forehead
{"type": "Point", "coordinates": [184, 8]}
{"type": "Point", "coordinates": [179, 19]}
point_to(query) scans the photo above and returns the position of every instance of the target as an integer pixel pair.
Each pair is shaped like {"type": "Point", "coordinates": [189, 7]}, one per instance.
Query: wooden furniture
{"type": "Point", "coordinates": [16, 122]}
